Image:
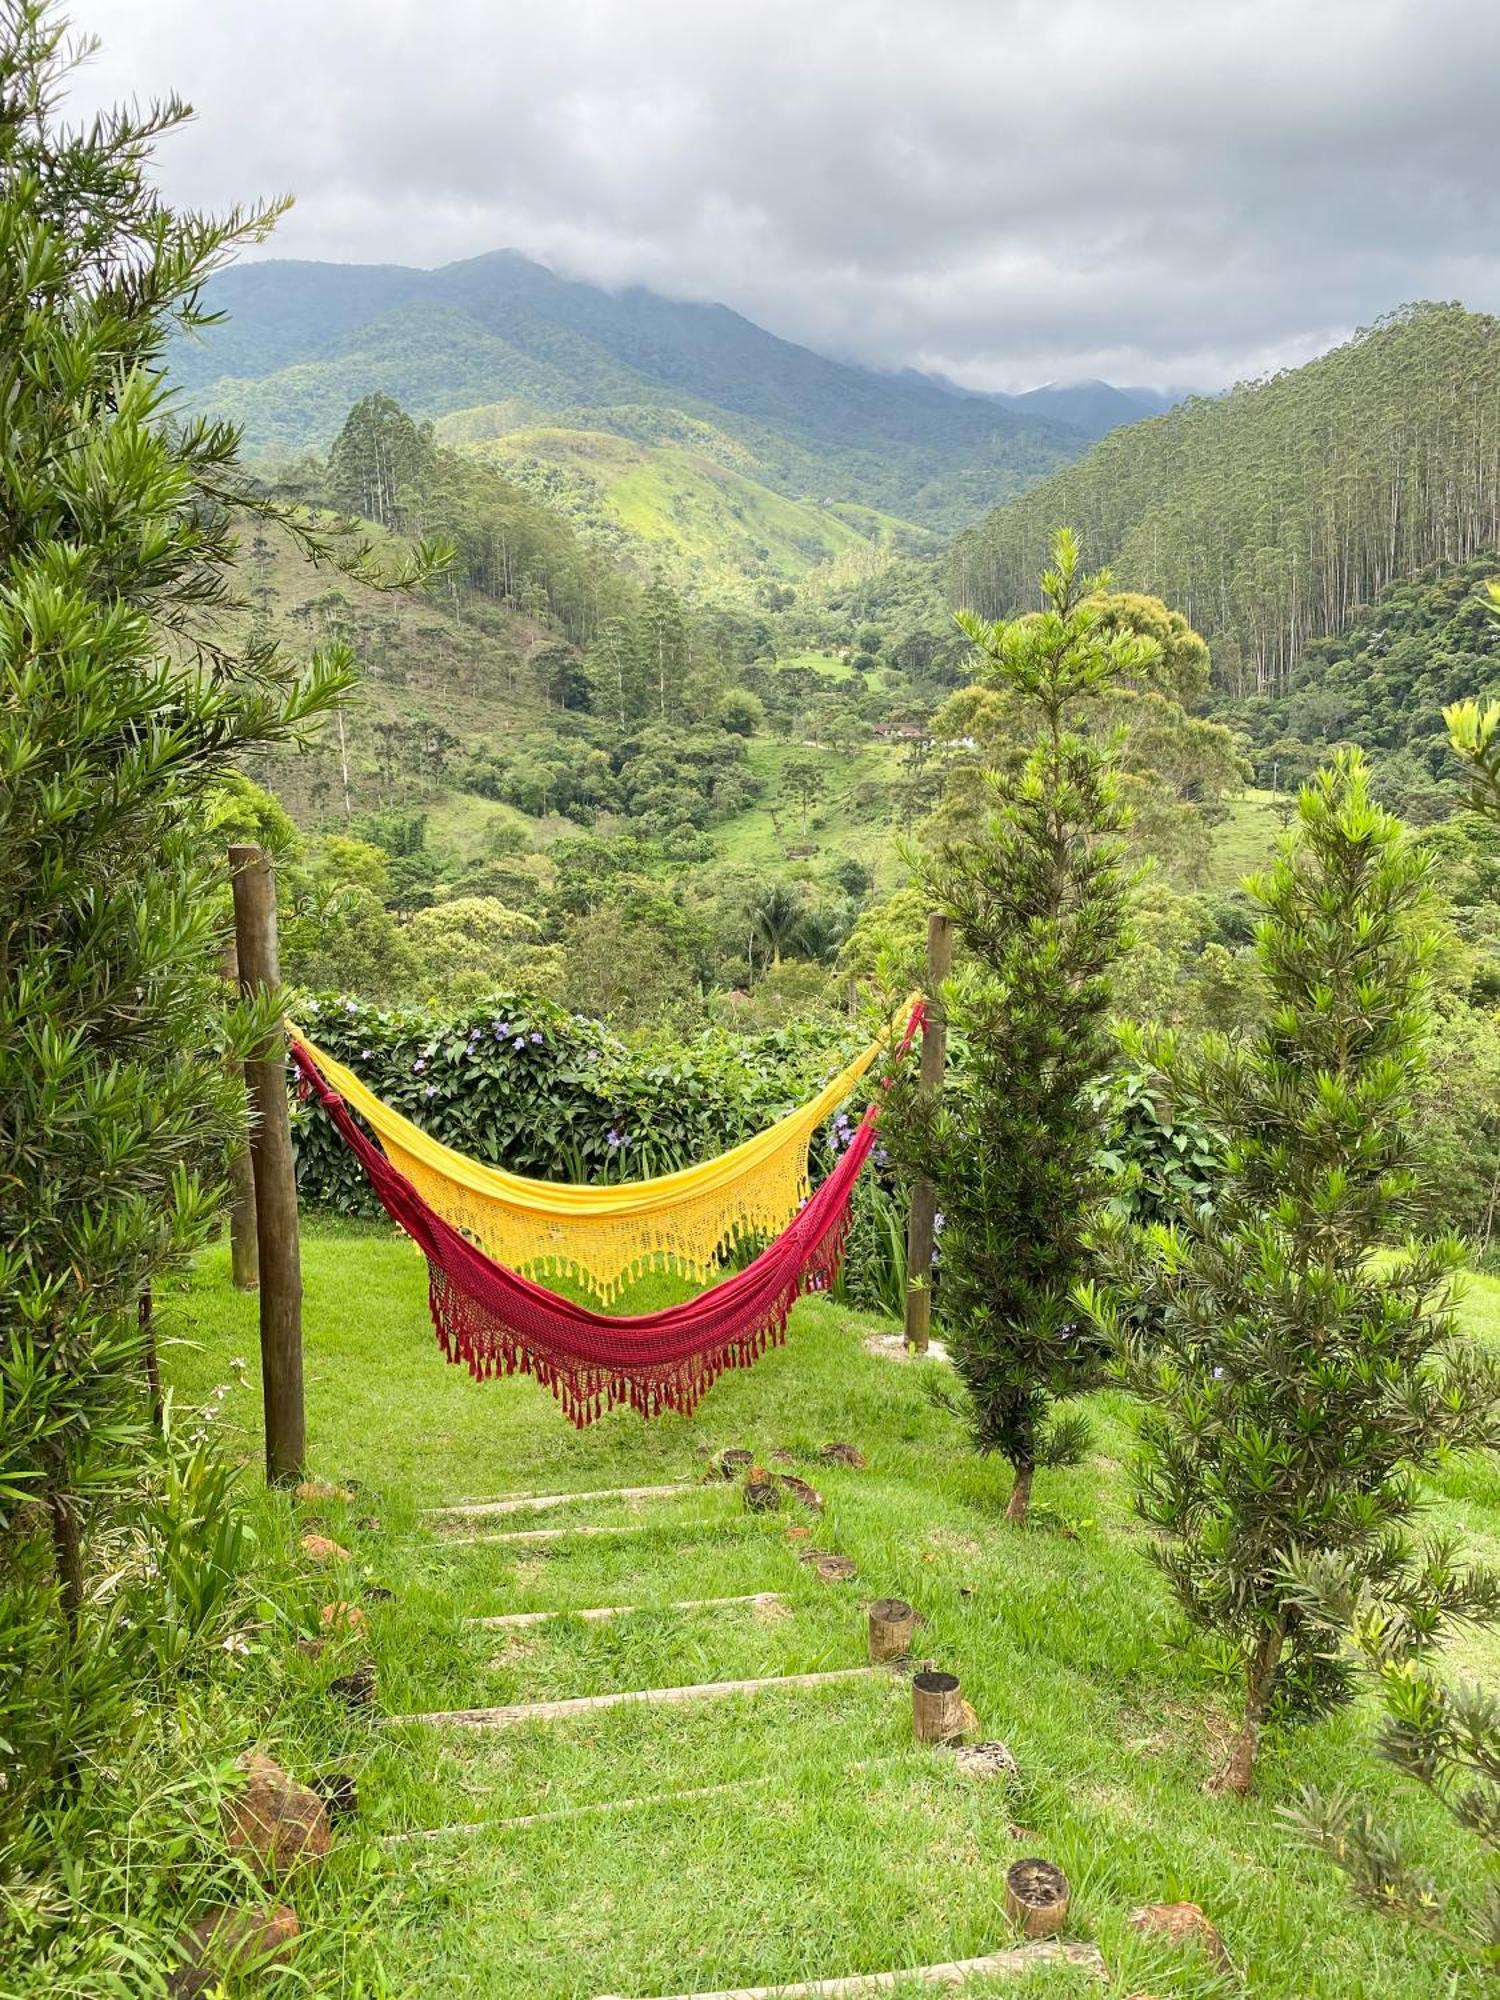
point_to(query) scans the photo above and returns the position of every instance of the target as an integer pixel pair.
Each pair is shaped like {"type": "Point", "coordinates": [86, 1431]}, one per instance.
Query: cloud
{"type": "Point", "coordinates": [1008, 191]}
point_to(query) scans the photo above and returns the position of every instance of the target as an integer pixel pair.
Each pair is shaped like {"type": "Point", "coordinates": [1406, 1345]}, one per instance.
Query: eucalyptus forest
{"type": "Point", "coordinates": [920, 961]}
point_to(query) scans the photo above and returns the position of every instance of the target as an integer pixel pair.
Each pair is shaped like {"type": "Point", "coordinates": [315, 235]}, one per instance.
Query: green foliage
{"type": "Point", "coordinates": [1445, 1736]}
{"type": "Point", "coordinates": [378, 456]}
{"type": "Point", "coordinates": [523, 1083]}
{"type": "Point", "coordinates": [1291, 1388]}
{"type": "Point", "coordinates": [1273, 513]}
{"type": "Point", "coordinates": [701, 388]}
{"type": "Point", "coordinates": [1038, 898]}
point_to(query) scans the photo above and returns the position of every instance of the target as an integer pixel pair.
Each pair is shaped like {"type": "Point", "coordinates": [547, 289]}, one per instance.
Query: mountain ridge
{"type": "Point", "coordinates": [301, 341]}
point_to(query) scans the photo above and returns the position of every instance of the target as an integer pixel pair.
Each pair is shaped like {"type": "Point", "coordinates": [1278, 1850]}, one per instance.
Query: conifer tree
{"type": "Point", "coordinates": [122, 704]}
{"type": "Point", "coordinates": [1293, 1388]}
{"type": "Point", "coordinates": [1039, 900]}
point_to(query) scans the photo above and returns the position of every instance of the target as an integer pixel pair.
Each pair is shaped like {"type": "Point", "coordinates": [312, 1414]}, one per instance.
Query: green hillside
{"type": "Point", "coordinates": [1270, 515]}
{"type": "Point", "coordinates": [710, 524]}
{"type": "Point", "coordinates": [301, 342]}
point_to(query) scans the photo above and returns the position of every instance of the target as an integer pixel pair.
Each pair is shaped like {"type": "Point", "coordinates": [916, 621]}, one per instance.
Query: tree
{"type": "Point", "coordinates": [1292, 1390]}
{"type": "Point", "coordinates": [1038, 897]}
{"type": "Point", "coordinates": [377, 456]}
{"type": "Point", "coordinates": [776, 921]}
{"type": "Point", "coordinates": [802, 781]}
{"type": "Point", "coordinates": [124, 708]}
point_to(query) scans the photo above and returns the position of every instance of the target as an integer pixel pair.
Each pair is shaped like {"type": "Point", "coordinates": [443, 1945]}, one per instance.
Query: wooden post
{"type": "Point", "coordinates": [244, 1260]}
{"type": "Point", "coordinates": [919, 1223]}
{"type": "Point", "coordinates": [937, 1707]}
{"type": "Point", "coordinates": [275, 1176]}
{"type": "Point", "coordinates": [892, 1623]}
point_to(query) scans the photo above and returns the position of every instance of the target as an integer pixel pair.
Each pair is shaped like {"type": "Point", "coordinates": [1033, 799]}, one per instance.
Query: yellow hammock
{"type": "Point", "coordinates": [608, 1235]}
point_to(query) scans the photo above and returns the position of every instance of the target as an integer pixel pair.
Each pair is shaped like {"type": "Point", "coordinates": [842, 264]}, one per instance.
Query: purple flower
{"type": "Point", "coordinates": [419, 1065]}
{"type": "Point", "coordinates": [614, 1140]}
{"type": "Point", "coordinates": [430, 1091]}
{"type": "Point", "coordinates": [501, 1028]}
{"type": "Point", "coordinates": [519, 1042]}
{"type": "Point", "coordinates": [1218, 1374]}
{"type": "Point", "coordinates": [536, 1034]}
{"type": "Point", "coordinates": [351, 1006]}
{"type": "Point", "coordinates": [939, 1222]}
{"type": "Point", "coordinates": [364, 1055]}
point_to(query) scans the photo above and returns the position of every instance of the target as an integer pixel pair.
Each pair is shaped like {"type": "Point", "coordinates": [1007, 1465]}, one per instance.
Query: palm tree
{"type": "Point", "coordinates": [776, 921]}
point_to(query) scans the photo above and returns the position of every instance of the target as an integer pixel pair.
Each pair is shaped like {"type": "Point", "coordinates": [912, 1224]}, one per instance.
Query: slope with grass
{"type": "Point", "coordinates": [836, 1846]}
{"type": "Point", "coordinates": [713, 528]}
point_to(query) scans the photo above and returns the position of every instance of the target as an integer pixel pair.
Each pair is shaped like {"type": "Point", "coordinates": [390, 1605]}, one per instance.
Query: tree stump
{"type": "Point", "coordinates": [937, 1707]}
{"type": "Point", "coordinates": [1037, 1896]}
{"type": "Point", "coordinates": [892, 1622]}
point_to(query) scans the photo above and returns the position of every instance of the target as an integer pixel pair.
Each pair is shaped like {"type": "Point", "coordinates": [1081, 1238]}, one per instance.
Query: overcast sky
{"type": "Point", "coordinates": [1163, 191]}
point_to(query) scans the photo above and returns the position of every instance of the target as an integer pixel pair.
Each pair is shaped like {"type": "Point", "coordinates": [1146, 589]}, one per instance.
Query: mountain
{"type": "Point", "coordinates": [1093, 408]}
{"type": "Point", "coordinates": [301, 342]}
{"type": "Point", "coordinates": [1269, 516]}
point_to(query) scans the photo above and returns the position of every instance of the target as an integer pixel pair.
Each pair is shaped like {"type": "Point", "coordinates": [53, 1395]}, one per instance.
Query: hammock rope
{"type": "Point", "coordinates": [605, 1236]}
{"type": "Point", "coordinates": [497, 1322]}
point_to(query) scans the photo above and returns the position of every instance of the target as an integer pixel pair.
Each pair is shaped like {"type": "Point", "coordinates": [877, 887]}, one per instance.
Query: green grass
{"type": "Point", "coordinates": [811, 1868]}
{"type": "Point", "coordinates": [837, 824]}
{"type": "Point", "coordinates": [669, 503]}
{"type": "Point", "coordinates": [1246, 840]}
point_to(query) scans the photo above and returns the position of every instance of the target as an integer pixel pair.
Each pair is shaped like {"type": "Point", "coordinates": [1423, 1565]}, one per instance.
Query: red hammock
{"type": "Point", "coordinates": [499, 1323]}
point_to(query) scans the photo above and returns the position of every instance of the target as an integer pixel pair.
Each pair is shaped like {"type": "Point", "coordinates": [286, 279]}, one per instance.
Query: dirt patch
{"type": "Point", "coordinates": [893, 1347]}
{"type": "Point", "coordinates": [949, 1542]}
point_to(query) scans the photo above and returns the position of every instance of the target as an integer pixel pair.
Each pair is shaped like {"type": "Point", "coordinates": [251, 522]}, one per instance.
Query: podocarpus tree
{"type": "Point", "coordinates": [1039, 900]}
{"type": "Point", "coordinates": [1293, 1385]}
{"type": "Point", "coordinates": [121, 704]}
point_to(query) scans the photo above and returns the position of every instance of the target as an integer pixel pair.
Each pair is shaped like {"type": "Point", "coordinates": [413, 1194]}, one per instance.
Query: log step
{"type": "Point", "coordinates": [597, 1807]}
{"type": "Point", "coordinates": [558, 1711]}
{"type": "Point", "coordinates": [1019, 1960]}
{"type": "Point", "coordinates": [602, 1611]}
{"type": "Point", "coordinates": [533, 1503]}
{"type": "Point", "coordinates": [546, 1535]}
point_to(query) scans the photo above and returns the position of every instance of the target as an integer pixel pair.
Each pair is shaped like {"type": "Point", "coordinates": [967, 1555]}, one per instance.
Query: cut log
{"type": "Point", "coordinates": [892, 1622]}
{"type": "Point", "coordinates": [558, 1711]}
{"type": "Point", "coordinates": [937, 1707]}
{"type": "Point", "coordinates": [533, 1503]}
{"type": "Point", "coordinates": [600, 1807]}
{"type": "Point", "coordinates": [1037, 1895]}
{"type": "Point", "coordinates": [602, 1611]}
{"type": "Point", "coordinates": [547, 1534]}
{"type": "Point", "coordinates": [957, 1972]}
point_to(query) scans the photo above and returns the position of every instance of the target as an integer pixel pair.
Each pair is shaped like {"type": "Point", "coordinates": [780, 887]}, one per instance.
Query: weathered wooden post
{"type": "Point", "coordinates": [275, 1176]}
{"type": "Point", "coordinates": [919, 1223]}
{"type": "Point", "coordinates": [937, 1707]}
{"type": "Point", "coordinates": [244, 1260]}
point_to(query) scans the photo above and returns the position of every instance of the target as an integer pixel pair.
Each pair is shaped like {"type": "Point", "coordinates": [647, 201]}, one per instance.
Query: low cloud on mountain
{"type": "Point", "coordinates": [994, 189]}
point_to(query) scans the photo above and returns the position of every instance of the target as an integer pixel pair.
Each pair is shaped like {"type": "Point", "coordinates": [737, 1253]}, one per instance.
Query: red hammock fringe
{"type": "Point", "coordinates": [498, 1323]}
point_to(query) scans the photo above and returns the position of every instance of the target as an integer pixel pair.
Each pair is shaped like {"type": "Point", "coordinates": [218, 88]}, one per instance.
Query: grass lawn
{"type": "Point", "coordinates": [844, 1847]}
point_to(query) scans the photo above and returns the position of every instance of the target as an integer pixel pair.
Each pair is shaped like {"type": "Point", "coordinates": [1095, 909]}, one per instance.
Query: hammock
{"type": "Point", "coordinates": [605, 1236]}
{"type": "Point", "coordinates": [497, 1322]}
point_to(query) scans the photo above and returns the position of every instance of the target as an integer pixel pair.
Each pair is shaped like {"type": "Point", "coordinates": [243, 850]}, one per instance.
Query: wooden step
{"type": "Point", "coordinates": [533, 1503]}
{"type": "Point", "coordinates": [559, 1711]}
{"type": "Point", "coordinates": [603, 1611]}
{"type": "Point", "coordinates": [546, 1535]}
{"type": "Point", "coordinates": [1017, 1961]}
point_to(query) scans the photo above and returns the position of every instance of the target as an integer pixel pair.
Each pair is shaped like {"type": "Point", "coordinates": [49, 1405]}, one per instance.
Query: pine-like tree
{"type": "Point", "coordinates": [1292, 1386]}
{"type": "Point", "coordinates": [1039, 899]}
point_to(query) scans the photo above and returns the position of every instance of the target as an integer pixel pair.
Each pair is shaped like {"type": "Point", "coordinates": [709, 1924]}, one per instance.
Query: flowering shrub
{"type": "Point", "coordinates": [523, 1084]}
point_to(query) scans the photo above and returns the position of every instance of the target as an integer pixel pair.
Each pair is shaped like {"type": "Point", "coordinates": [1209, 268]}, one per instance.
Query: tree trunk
{"type": "Point", "coordinates": [1020, 1495]}
{"type": "Point", "coordinates": [67, 1546]}
{"type": "Point", "coordinates": [1238, 1772]}
{"type": "Point", "coordinates": [144, 1314]}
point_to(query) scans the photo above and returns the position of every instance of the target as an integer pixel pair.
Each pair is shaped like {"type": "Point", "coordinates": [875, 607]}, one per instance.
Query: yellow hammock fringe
{"type": "Point", "coordinates": [611, 1234]}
